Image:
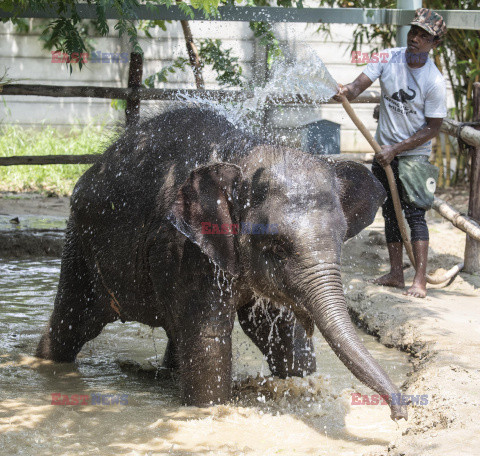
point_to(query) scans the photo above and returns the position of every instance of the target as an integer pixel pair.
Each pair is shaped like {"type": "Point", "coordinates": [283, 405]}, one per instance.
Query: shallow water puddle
{"type": "Point", "coordinates": [141, 411]}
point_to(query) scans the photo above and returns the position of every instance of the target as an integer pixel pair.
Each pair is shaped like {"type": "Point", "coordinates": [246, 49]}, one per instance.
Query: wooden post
{"type": "Point", "coordinates": [472, 247]}
{"type": "Point", "coordinates": [447, 159]}
{"type": "Point", "coordinates": [439, 160]}
{"type": "Point", "coordinates": [135, 73]}
{"type": "Point", "coordinates": [266, 77]}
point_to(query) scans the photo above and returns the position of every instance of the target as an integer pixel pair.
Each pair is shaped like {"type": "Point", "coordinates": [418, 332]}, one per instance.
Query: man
{"type": "Point", "coordinates": [412, 108]}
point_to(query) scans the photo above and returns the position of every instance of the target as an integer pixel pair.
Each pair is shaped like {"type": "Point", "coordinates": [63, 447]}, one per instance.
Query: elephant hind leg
{"type": "Point", "coordinates": [280, 338]}
{"type": "Point", "coordinates": [170, 359]}
{"type": "Point", "coordinates": [80, 311]}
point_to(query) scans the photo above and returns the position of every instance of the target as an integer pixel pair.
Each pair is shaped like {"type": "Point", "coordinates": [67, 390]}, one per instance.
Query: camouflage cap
{"type": "Point", "coordinates": [430, 21]}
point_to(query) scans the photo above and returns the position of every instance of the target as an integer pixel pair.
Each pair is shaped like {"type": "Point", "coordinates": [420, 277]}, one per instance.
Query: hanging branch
{"type": "Point", "coordinates": [192, 51]}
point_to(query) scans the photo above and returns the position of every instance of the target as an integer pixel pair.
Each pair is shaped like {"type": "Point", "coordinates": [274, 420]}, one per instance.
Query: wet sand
{"type": "Point", "coordinates": [441, 333]}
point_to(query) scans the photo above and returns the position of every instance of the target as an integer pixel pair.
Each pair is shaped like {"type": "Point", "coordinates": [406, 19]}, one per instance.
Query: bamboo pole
{"type": "Point", "coordinates": [464, 223]}
{"type": "Point", "coordinates": [439, 161]}
{"type": "Point", "coordinates": [391, 178]}
{"type": "Point", "coordinates": [468, 134]}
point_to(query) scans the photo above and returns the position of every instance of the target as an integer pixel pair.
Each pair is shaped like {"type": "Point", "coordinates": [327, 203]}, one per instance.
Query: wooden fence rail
{"type": "Point", "coordinates": [133, 94]}
{"type": "Point", "coordinates": [49, 160]}
{"type": "Point", "coordinates": [143, 93]}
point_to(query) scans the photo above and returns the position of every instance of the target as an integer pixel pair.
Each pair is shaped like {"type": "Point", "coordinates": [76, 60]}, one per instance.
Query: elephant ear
{"type": "Point", "coordinates": [207, 196]}
{"type": "Point", "coordinates": [361, 193]}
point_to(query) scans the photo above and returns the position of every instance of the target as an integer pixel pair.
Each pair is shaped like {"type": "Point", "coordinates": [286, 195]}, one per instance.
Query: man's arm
{"type": "Point", "coordinates": [355, 88]}
{"type": "Point", "coordinates": [431, 130]}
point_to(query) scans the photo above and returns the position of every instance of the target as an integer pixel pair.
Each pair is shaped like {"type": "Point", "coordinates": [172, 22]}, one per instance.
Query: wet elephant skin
{"type": "Point", "coordinates": [137, 249]}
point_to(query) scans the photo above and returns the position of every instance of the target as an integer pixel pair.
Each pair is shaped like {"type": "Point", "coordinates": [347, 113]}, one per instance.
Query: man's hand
{"type": "Point", "coordinates": [354, 89]}
{"type": "Point", "coordinates": [342, 91]}
{"type": "Point", "coordinates": [386, 155]}
{"type": "Point", "coordinates": [431, 130]}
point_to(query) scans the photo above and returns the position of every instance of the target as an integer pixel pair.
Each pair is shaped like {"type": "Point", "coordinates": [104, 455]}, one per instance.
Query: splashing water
{"type": "Point", "coordinates": [223, 281]}
{"type": "Point", "coordinates": [303, 77]}
{"type": "Point", "coordinates": [267, 415]}
{"type": "Point", "coordinates": [295, 79]}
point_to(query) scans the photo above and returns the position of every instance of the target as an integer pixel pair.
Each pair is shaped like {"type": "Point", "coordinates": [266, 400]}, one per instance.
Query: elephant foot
{"type": "Point", "coordinates": [46, 350]}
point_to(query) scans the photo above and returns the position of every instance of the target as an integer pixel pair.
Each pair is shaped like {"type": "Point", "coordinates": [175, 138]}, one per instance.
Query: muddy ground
{"type": "Point", "coordinates": [440, 332]}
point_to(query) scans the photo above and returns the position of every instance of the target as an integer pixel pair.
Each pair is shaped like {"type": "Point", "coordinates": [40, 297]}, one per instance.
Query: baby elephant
{"type": "Point", "coordinates": [185, 221]}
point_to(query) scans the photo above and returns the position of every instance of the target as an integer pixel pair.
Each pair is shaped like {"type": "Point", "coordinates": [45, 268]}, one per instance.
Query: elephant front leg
{"type": "Point", "coordinates": [205, 369]}
{"type": "Point", "coordinates": [204, 351]}
{"type": "Point", "coordinates": [280, 338]}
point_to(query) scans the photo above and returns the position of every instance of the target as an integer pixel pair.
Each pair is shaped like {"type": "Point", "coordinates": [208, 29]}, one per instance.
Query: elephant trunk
{"type": "Point", "coordinates": [326, 302]}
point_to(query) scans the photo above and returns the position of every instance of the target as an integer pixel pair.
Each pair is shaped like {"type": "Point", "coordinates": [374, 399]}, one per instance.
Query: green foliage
{"type": "Point", "coordinates": [64, 36]}
{"type": "Point", "coordinates": [229, 72]}
{"type": "Point", "coordinates": [161, 76]}
{"type": "Point", "coordinates": [145, 26]}
{"type": "Point", "coordinates": [209, 7]}
{"type": "Point", "coordinates": [51, 179]}
{"type": "Point", "coordinates": [178, 64]}
{"type": "Point", "coordinates": [263, 31]}
{"type": "Point", "coordinates": [21, 25]}
{"type": "Point", "coordinates": [119, 105]}
{"type": "Point", "coordinates": [67, 32]}
{"type": "Point", "coordinates": [186, 9]}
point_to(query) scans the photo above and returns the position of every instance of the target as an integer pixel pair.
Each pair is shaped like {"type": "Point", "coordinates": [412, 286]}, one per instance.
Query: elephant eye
{"type": "Point", "coordinates": [279, 251]}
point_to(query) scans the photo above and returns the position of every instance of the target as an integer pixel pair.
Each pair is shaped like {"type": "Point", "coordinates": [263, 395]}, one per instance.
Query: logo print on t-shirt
{"type": "Point", "coordinates": [431, 184]}
{"type": "Point", "coordinates": [403, 96]}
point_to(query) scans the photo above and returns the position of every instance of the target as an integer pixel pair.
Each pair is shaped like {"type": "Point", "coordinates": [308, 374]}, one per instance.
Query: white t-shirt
{"type": "Point", "coordinates": [408, 96]}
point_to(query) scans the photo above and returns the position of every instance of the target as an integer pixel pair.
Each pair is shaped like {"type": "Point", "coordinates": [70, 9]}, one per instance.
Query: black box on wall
{"type": "Point", "coordinates": [321, 137]}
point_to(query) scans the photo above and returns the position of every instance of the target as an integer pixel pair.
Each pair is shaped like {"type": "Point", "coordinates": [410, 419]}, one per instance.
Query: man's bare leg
{"type": "Point", "coordinates": [395, 277]}
{"type": "Point", "coordinates": [419, 286]}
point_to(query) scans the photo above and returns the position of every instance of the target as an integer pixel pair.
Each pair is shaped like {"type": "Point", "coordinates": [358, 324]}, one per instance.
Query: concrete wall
{"type": "Point", "coordinates": [25, 59]}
